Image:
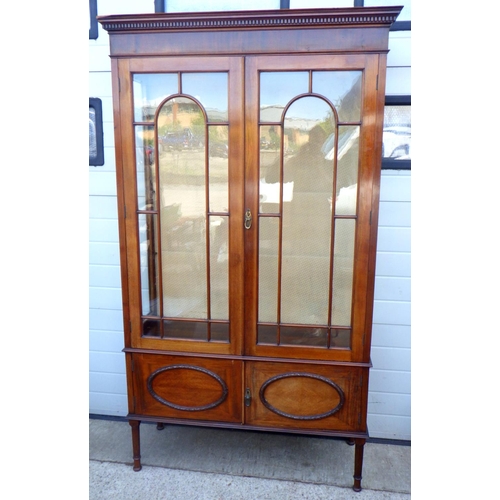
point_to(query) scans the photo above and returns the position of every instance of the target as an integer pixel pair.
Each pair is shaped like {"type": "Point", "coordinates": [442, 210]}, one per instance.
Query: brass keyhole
{"type": "Point", "coordinates": [248, 397]}
{"type": "Point", "coordinates": [248, 219]}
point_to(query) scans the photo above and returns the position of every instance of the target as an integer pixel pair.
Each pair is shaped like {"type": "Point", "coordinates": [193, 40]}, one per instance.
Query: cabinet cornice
{"type": "Point", "coordinates": [251, 20]}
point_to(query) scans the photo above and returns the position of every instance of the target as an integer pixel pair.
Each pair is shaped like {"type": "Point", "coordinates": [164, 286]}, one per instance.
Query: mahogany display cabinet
{"type": "Point", "coordinates": [248, 153]}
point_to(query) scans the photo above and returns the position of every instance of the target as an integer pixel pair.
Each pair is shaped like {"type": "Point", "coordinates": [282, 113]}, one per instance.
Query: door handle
{"type": "Point", "coordinates": [248, 219]}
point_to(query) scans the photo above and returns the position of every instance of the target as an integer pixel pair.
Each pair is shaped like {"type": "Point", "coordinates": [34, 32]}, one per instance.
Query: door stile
{"type": "Point", "coordinates": [378, 107]}
{"type": "Point", "coordinates": [369, 181]}
{"type": "Point", "coordinates": [251, 203]}
{"type": "Point", "coordinates": [116, 65]}
{"type": "Point", "coordinates": [130, 199]}
{"type": "Point", "coordinates": [236, 204]}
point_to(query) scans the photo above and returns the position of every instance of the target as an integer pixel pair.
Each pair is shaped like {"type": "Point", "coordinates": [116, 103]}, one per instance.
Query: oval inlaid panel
{"type": "Point", "coordinates": [187, 387]}
{"type": "Point", "coordinates": [302, 396]}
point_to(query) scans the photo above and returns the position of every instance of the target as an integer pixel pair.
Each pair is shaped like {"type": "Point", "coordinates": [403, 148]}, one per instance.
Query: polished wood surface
{"type": "Point", "coordinates": [245, 381]}
{"type": "Point", "coordinates": [194, 388]}
{"type": "Point", "coordinates": [305, 396]}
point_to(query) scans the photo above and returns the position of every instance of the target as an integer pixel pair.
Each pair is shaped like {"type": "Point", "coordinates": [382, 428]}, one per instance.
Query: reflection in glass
{"type": "Point", "coordinates": [183, 209]}
{"type": "Point", "coordinates": [191, 330]}
{"type": "Point", "coordinates": [214, 5]}
{"type": "Point", "coordinates": [292, 335]}
{"type": "Point", "coordinates": [347, 171]}
{"type": "Point", "coordinates": [172, 174]}
{"type": "Point", "coordinates": [151, 327]}
{"type": "Point", "coordinates": [307, 218]}
{"type": "Point", "coordinates": [270, 153]}
{"type": "Point", "coordinates": [277, 89]}
{"type": "Point", "coordinates": [219, 332]}
{"type": "Point", "coordinates": [343, 269]}
{"type": "Point", "coordinates": [343, 89]}
{"type": "Point", "coordinates": [194, 243]}
{"type": "Point", "coordinates": [218, 168]}
{"type": "Point", "coordinates": [268, 268]}
{"type": "Point", "coordinates": [145, 167]}
{"type": "Point", "coordinates": [397, 132]}
{"type": "Point", "coordinates": [211, 89]}
{"type": "Point", "coordinates": [340, 338]}
{"type": "Point", "coordinates": [149, 91]}
{"type": "Point", "coordinates": [219, 267]}
{"type": "Point", "coordinates": [303, 289]}
{"type": "Point", "coordinates": [181, 127]}
{"type": "Point", "coordinates": [148, 244]}
{"type": "Point", "coordinates": [267, 334]}
{"type": "Point", "coordinates": [92, 133]}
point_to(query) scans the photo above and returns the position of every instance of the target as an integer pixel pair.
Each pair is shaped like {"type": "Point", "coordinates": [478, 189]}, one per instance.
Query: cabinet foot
{"type": "Point", "coordinates": [136, 443]}
{"type": "Point", "coordinates": [358, 463]}
{"type": "Point", "coordinates": [160, 426]}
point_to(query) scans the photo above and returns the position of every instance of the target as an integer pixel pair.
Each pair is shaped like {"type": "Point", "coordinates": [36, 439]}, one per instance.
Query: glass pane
{"type": "Point", "coordinates": [146, 168]}
{"type": "Point", "coordinates": [92, 133]}
{"type": "Point", "coordinates": [219, 267]}
{"type": "Point", "coordinates": [267, 334]}
{"type": "Point", "coordinates": [292, 335]}
{"type": "Point", "coordinates": [268, 268]}
{"type": "Point", "coordinates": [347, 171]}
{"type": "Point", "coordinates": [211, 89]}
{"type": "Point", "coordinates": [148, 245]}
{"type": "Point", "coordinates": [181, 127]}
{"type": "Point", "coordinates": [218, 168]}
{"type": "Point", "coordinates": [343, 89]}
{"type": "Point", "coordinates": [221, 5]}
{"type": "Point", "coordinates": [270, 154]}
{"type": "Point", "coordinates": [151, 327]}
{"type": "Point", "coordinates": [340, 338]}
{"type": "Point", "coordinates": [191, 330]}
{"type": "Point", "coordinates": [343, 267]}
{"type": "Point", "coordinates": [397, 133]}
{"type": "Point", "coordinates": [319, 4]}
{"type": "Point", "coordinates": [149, 91]}
{"type": "Point", "coordinates": [183, 211]}
{"type": "Point", "coordinates": [219, 332]}
{"type": "Point", "coordinates": [307, 218]}
{"type": "Point", "coordinates": [277, 89]}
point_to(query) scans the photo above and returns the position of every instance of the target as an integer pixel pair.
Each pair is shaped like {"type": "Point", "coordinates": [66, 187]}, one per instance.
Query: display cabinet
{"type": "Point", "coordinates": [248, 151]}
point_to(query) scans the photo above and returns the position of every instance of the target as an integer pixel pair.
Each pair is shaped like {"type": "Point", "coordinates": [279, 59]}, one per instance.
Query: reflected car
{"type": "Point", "coordinates": [219, 149]}
{"type": "Point", "coordinates": [346, 141]}
{"type": "Point", "coordinates": [181, 139]}
{"type": "Point", "coordinates": [396, 142]}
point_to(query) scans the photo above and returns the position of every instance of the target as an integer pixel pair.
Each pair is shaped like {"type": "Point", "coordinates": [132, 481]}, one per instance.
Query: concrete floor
{"type": "Point", "coordinates": [194, 463]}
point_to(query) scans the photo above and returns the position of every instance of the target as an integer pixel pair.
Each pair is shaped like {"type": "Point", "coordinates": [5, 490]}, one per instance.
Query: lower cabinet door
{"type": "Point", "coordinates": [305, 396]}
{"type": "Point", "coordinates": [187, 387]}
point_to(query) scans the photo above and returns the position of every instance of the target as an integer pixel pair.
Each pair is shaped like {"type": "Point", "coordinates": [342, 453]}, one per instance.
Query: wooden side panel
{"type": "Point", "coordinates": [318, 397]}
{"type": "Point", "coordinates": [187, 387]}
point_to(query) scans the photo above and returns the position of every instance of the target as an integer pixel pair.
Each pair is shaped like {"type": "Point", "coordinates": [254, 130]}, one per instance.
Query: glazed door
{"type": "Point", "coordinates": [184, 213]}
{"type": "Point", "coordinates": [308, 204]}
{"type": "Point", "coordinates": [248, 225]}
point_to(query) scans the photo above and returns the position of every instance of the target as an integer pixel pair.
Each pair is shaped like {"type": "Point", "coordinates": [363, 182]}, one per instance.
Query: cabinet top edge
{"type": "Point", "coordinates": [251, 20]}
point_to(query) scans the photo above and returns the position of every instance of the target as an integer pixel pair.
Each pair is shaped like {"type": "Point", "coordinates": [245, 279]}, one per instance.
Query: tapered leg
{"type": "Point", "coordinates": [358, 463]}
{"type": "Point", "coordinates": [136, 443]}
